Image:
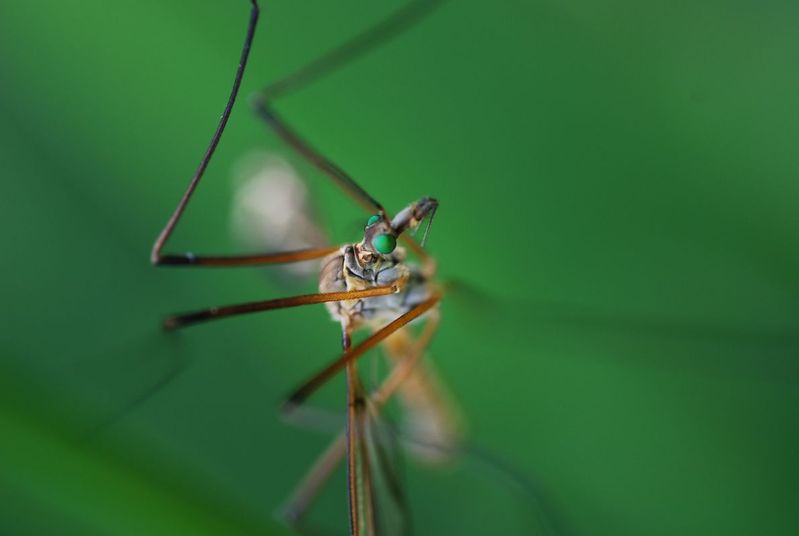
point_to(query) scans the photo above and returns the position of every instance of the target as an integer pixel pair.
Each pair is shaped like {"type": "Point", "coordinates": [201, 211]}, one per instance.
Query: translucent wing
{"type": "Point", "coordinates": [272, 210]}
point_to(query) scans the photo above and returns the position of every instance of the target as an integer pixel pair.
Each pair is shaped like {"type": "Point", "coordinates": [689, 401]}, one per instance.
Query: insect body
{"type": "Point", "coordinates": [374, 262]}
{"type": "Point", "coordinates": [367, 285]}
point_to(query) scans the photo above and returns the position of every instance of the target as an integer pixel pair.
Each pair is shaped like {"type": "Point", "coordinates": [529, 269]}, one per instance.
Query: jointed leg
{"type": "Point", "coordinates": [157, 256]}
{"type": "Point", "coordinates": [190, 259]}
{"type": "Point", "coordinates": [214, 313]}
{"type": "Point", "coordinates": [359, 482]}
{"type": "Point", "coordinates": [404, 368]}
{"type": "Point", "coordinates": [310, 486]}
{"type": "Point", "coordinates": [380, 33]}
{"type": "Point", "coordinates": [359, 45]}
{"type": "Point", "coordinates": [299, 395]}
{"type": "Point", "coordinates": [339, 176]}
{"type": "Point", "coordinates": [368, 40]}
{"type": "Point", "coordinates": [312, 483]}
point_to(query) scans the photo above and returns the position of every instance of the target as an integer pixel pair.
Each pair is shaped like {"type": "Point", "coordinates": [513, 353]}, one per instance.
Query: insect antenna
{"type": "Point", "coordinates": [427, 227]}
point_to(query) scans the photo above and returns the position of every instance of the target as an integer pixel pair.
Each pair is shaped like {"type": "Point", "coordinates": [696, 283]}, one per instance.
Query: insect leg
{"type": "Point", "coordinates": [367, 40]}
{"type": "Point", "coordinates": [305, 390]}
{"type": "Point", "coordinates": [359, 482]}
{"type": "Point", "coordinates": [359, 45]}
{"type": "Point", "coordinates": [364, 42]}
{"type": "Point", "coordinates": [339, 176]}
{"type": "Point", "coordinates": [310, 486]}
{"type": "Point", "coordinates": [156, 257]}
{"type": "Point", "coordinates": [190, 259]}
{"type": "Point", "coordinates": [214, 313]}
{"type": "Point", "coordinates": [405, 367]}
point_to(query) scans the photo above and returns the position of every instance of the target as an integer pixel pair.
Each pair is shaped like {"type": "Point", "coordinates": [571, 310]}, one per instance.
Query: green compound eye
{"type": "Point", "coordinates": [372, 220]}
{"type": "Point", "coordinates": [384, 243]}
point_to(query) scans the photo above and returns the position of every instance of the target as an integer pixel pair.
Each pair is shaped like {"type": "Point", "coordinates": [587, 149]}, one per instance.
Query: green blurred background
{"type": "Point", "coordinates": [617, 181]}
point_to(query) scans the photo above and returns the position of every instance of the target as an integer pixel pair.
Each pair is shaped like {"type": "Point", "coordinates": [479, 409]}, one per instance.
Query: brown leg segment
{"type": "Point", "coordinates": [304, 149]}
{"type": "Point", "coordinates": [299, 395]}
{"type": "Point", "coordinates": [430, 415]}
{"type": "Point", "coordinates": [395, 24]}
{"type": "Point", "coordinates": [359, 45]}
{"type": "Point", "coordinates": [402, 369]}
{"type": "Point", "coordinates": [358, 488]}
{"type": "Point", "coordinates": [382, 32]}
{"type": "Point", "coordinates": [189, 259]}
{"type": "Point", "coordinates": [311, 485]}
{"type": "Point", "coordinates": [215, 313]}
{"type": "Point", "coordinates": [156, 256]}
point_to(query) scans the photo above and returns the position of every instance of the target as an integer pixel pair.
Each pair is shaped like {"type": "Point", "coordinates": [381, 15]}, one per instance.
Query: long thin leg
{"type": "Point", "coordinates": [215, 313]}
{"type": "Point", "coordinates": [310, 486]}
{"type": "Point", "coordinates": [376, 35]}
{"type": "Point", "coordinates": [304, 494]}
{"type": "Point", "coordinates": [190, 259]}
{"type": "Point", "coordinates": [299, 395]}
{"type": "Point", "coordinates": [429, 412]}
{"type": "Point", "coordinates": [403, 369]}
{"type": "Point", "coordinates": [333, 171]}
{"type": "Point", "coordinates": [371, 38]}
{"type": "Point", "coordinates": [358, 478]}
{"type": "Point", "coordinates": [359, 45]}
{"type": "Point", "coordinates": [354, 433]}
{"type": "Point", "coordinates": [339, 176]}
{"type": "Point", "coordinates": [361, 502]}
{"type": "Point", "coordinates": [156, 257]}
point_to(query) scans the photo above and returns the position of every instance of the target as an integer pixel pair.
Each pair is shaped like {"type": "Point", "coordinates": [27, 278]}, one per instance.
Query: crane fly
{"type": "Point", "coordinates": [367, 285]}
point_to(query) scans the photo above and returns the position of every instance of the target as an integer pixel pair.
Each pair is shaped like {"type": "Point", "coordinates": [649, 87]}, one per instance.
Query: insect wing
{"type": "Point", "coordinates": [272, 211]}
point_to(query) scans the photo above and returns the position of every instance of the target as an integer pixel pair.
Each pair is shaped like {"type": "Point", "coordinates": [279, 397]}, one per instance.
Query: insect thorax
{"type": "Point", "coordinates": [351, 268]}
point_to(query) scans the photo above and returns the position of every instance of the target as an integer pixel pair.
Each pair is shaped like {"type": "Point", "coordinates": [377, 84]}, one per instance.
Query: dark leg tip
{"type": "Point", "coordinates": [290, 405]}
